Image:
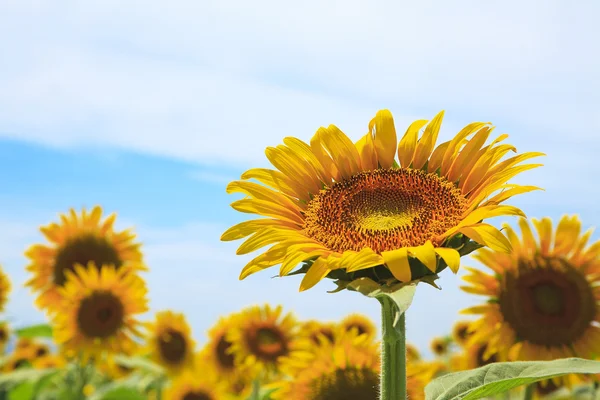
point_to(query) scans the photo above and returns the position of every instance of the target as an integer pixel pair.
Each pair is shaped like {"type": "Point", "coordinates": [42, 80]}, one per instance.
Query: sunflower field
{"type": "Point", "coordinates": [379, 217]}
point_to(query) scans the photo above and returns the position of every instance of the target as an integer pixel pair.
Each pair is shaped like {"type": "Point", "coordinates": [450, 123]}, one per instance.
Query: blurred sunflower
{"type": "Point", "coordinates": [461, 333]}
{"type": "Point", "coordinates": [475, 355]}
{"type": "Point", "coordinates": [316, 331]}
{"type": "Point", "coordinates": [49, 361]}
{"type": "Point", "coordinates": [348, 365]}
{"type": "Point", "coordinates": [439, 346]}
{"type": "Point", "coordinates": [262, 337]}
{"type": "Point", "coordinates": [348, 207]}
{"type": "Point", "coordinates": [19, 358]}
{"type": "Point", "coordinates": [170, 343]}
{"type": "Point", "coordinates": [24, 343]}
{"type": "Point", "coordinates": [217, 351]}
{"type": "Point", "coordinates": [78, 239]}
{"type": "Point", "coordinates": [100, 307]}
{"type": "Point", "coordinates": [191, 385]}
{"type": "Point", "coordinates": [4, 289]}
{"type": "Point", "coordinates": [362, 324]}
{"type": "Point", "coordinates": [4, 335]}
{"type": "Point", "coordinates": [543, 297]}
{"type": "Point", "coordinates": [234, 381]}
{"type": "Point", "coordinates": [412, 354]}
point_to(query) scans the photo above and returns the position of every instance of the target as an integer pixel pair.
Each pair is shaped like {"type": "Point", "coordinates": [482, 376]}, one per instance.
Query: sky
{"type": "Point", "coordinates": [149, 110]}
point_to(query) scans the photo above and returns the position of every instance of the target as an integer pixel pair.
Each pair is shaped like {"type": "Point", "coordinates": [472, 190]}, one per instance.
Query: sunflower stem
{"type": "Point", "coordinates": [393, 351]}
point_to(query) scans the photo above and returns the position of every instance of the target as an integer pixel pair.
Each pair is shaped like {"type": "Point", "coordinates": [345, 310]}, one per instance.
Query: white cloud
{"type": "Point", "coordinates": [217, 80]}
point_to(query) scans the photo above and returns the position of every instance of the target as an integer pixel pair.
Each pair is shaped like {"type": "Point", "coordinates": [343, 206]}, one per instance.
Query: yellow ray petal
{"type": "Point", "coordinates": [299, 253]}
{"type": "Point", "coordinates": [487, 235]}
{"type": "Point", "coordinates": [268, 209]}
{"type": "Point", "coordinates": [482, 213]}
{"type": "Point", "coordinates": [435, 161]}
{"type": "Point", "coordinates": [324, 158]}
{"type": "Point", "coordinates": [385, 137]}
{"type": "Point", "coordinates": [317, 271]}
{"type": "Point", "coordinates": [292, 169]}
{"type": "Point", "coordinates": [264, 237]}
{"type": "Point", "coordinates": [567, 233]}
{"type": "Point", "coordinates": [342, 150]}
{"type": "Point", "coordinates": [456, 142]}
{"type": "Point", "coordinates": [397, 262]}
{"type": "Point", "coordinates": [467, 154]}
{"type": "Point", "coordinates": [425, 254]}
{"type": "Point", "coordinates": [271, 257]}
{"type": "Point", "coordinates": [246, 228]}
{"type": "Point", "coordinates": [408, 143]}
{"type": "Point", "coordinates": [450, 256]}
{"type": "Point", "coordinates": [528, 239]}
{"type": "Point", "coordinates": [507, 194]}
{"type": "Point", "coordinates": [274, 179]}
{"type": "Point", "coordinates": [304, 150]}
{"type": "Point", "coordinates": [261, 192]}
{"type": "Point", "coordinates": [366, 150]}
{"type": "Point", "coordinates": [366, 258]}
{"type": "Point", "coordinates": [482, 309]}
{"type": "Point", "coordinates": [427, 141]}
{"type": "Point", "coordinates": [544, 229]}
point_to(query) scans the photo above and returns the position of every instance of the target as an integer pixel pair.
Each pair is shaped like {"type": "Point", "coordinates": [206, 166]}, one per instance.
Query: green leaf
{"type": "Point", "coordinates": [24, 391]}
{"type": "Point", "coordinates": [120, 393]}
{"type": "Point", "coordinates": [33, 331]}
{"type": "Point", "coordinates": [497, 378]}
{"type": "Point", "coordinates": [138, 362]}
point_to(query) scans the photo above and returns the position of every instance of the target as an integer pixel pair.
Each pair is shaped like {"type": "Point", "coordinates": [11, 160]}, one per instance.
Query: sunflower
{"type": "Point", "coordinates": [233, 380]}
{"type": "Point", "coordinates": [100, 307]}
{"type": "Point", "coordinates": [348, 365]}
{"type": "Point", "coordinates": [543, 298]}
{"type": "Point", "coordinates": [20, 358]}
{"type": "Point", "coordinates": [361, 323]}
{"type": "Point", "coordinates": [217, 351]}
{"type": "Point", "coordinates": [350, 209]}
{"type": "Point", "coordinates": [49, 361]}
{"type": "Point", "coordinates": [78, 239]}
{"type": "Point", "coordinates": [170, 343]}
{"type": "Point", "coordinates": [316, 331]}
{"type": "Point", "coordinates": [4, 289]}
{"type": "Point", "coordinates": [475, 355]}
{"type": "Point", "coordinates": [439, 346]}
{"type": "Point", "coordinates": [412, 353]}
{"type": "Point", "coordinates": [4, 335]}
{"type": "Point", "coordinates": [262, 337]}
{"type": "Point", "coordinates": [461, 332]}
{"type": "Point", "coordinates": [195, 385]}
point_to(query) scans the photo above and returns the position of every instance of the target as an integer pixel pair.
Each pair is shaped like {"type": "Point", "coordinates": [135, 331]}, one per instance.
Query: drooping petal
{"type": "Point", "coordinates": [487, 235]}
{"type": "Point", "coordinates": [317, 271]}
{"type": "Point", "coordinates": [425, 254]}
{"type": "Point", "coordinates": [450, 256]}
{"type": "Point", "coordinates": [397, 262]}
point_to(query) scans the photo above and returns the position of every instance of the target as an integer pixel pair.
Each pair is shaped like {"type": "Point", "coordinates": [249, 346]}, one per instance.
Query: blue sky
{"type": "Point", "coordinates": [149, 111]}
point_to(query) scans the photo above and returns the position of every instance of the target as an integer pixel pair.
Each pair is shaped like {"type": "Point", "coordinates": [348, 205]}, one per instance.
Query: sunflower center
{"type": "Point", "coordinates": [267, 343]}
{"type": "Point", "coordinates": [326, 332]}
{"type": "Point", "coordinates": [384, 209]}
{"type": "Point", "coordinates": [346, 384]}
{"type": "Point", "coordinates": [100, 315]}
{"type": "Point", "coordinates": [41, 351]}
{"type": "Point", "coordinates": [225, 359]}
{"type": "Point", "coordinates": [81, 250]}
{"type": "Point", "coordinates": [3, 335]}
{"type": "Point", "coordinates": [198, 395]}
{"type": "Point", "coordinates": [173, 346]}
{"type": "Point", "coordinates": [547, 301]}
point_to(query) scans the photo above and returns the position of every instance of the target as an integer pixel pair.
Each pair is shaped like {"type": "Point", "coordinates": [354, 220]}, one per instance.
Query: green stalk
{"type": "Point", "coordinates": [528, 395]}
{"type": "Point", "coordinates": [393, 352]}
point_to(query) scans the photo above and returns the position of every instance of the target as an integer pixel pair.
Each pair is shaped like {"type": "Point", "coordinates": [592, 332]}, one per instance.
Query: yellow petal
{"type": "Point", "coordinates": [487, 235]}
{"type": "Point", "coordinates": [263, 238]}
{"type": "Point", "coordinates": [297, 172]}
{"type": "Point", "coordinates": [425, 254]}
{"type": "Point", "coordinates": [274, 179]}
{"type": "Point", "coordinates": [408, 143]}
{"type": "Point", "coordinates": [385, 137]}
{"type": "Point", "coordinates": [507, 194]}
{"type": "Point", "coordinates": [567, 233]}
{"type": "Point", "coordinates": [317, 271]}
{"type": "Point", "coordinates": [544, 229]}
{"type": "Point", "coordinates": [297, 254]}
{"type": "Point", "coordinates": [427, 141]}
{"type": "Point", "coordinates": [342, 150]}
{"type": "Point", "coordinates": [273, 256]}
{"type": "Point", "coordinates": [268, 209]}
{"type": "Point", "coordinates": [246, 228]}
{"type": "Point", "coordinates": [397, 262]}
{"type": "Point", "coordinates": [467, 155]}
{"type": "Point", "coordinates": [366, 150]}
{"type": "Point", "coordinates": [366, 258]}
{"type": "Point", "coordinates": [261, 192]}
{"type": "Point", "coordinates": [304, 150]}
{"type": "Point", "coordinates": [483, 309]}
{"type": "Point", "coordinates": [456, 142]}
{"type": "Point", "coordinates": [450, 256]}
{"type": "Point", "coordinates": [435, 161]}
{"type": "Point", "coordinates": [482, 213]}
{"type": "Point", "coordinates": [528, 239]}
{"type": "Point", "coordinates": [324, 158]}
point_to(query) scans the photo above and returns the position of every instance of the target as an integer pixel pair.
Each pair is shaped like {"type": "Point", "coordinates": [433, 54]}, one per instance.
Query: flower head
{"type": "Point", "coordinates": [349, 210]}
